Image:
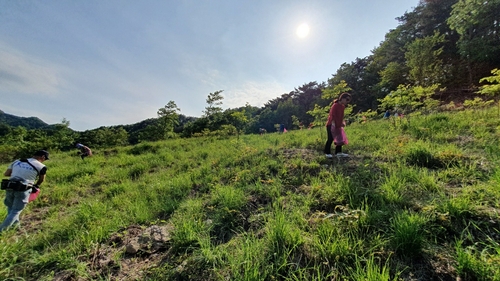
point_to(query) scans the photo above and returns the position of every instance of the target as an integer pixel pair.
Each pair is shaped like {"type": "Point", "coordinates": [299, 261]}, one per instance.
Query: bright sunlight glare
{"type": "Point", "coordinates": [302, 30]}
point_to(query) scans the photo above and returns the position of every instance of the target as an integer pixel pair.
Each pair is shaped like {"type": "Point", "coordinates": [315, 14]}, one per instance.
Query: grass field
{"type": "Point", "coordinates": [417, 199]}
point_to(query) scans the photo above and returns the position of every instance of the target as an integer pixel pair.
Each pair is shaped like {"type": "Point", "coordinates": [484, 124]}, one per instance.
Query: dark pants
{"type": "Point", "coordinates": [329, 141]}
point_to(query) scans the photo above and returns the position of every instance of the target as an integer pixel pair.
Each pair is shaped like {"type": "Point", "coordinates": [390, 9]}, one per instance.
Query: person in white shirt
{"type": "Point", "coordinates": [23, 175]}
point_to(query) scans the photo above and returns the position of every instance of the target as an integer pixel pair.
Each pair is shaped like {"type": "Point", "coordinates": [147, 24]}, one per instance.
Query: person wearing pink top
{"type": "Point", "coordinates": [335, 126]}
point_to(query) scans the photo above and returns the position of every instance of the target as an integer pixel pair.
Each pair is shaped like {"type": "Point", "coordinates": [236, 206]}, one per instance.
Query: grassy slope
{"type": "Point", "coordinates": [415, 201]}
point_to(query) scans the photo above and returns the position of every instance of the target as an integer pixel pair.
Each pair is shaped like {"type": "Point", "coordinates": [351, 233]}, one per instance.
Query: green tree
{"type": "Point", "coordinates": [408, 99]}
{"type": "Point", "coordinates": [389, 61]}
{"type": "Point", "coordinates": [284, 112]}
{"type": "Point", "coordinates": [152, 132]}
{"type": "Point", "coordinates": [61, 135]}
{"type": "Point", "coordinates": [305, 97]}
{"type": "Point", "coordinates": [360, 78]}
{"type": "Point", "coordinates": [5, 130]}
{"type": "Point", "coordinates": [319, 114]}
{"type": "Point", "coordinates": [333, 91]}
{"type": "Point", "coordinates": [477, 23]}
{"type": "Point", "coordinates": [168, 118]}
{"type": "Point", "coordinates": [239, 120]}
{"type": "Point", "coordinates": [213, 111]}
{"type": "Point", "coordinates": [393, 75]}
{"type": "Point", "coordinates": [422, 58]}
{"type": "Point", "coordinates": [266, 119]}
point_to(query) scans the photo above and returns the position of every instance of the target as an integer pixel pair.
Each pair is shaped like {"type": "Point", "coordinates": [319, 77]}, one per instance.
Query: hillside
{"type": "Point", "coordinates": [418, 199]}
{"type": "Point", "coordinates": [27, 122]}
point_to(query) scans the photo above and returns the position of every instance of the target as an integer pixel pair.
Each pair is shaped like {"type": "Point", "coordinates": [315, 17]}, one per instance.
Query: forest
{"type": "Point", "coordinates": [441, 55]}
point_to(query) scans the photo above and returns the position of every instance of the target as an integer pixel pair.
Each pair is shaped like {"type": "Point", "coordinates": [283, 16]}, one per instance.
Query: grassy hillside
{"type": "Point", "coordinates": [418, 199]}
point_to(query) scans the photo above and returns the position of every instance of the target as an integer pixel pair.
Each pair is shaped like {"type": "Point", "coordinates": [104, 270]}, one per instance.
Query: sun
{"type": "Point", "coordinates": [302, 30]}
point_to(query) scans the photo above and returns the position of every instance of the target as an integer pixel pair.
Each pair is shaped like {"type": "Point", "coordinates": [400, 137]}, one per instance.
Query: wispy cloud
{"type": "Point", "coordinates": [23, 74]}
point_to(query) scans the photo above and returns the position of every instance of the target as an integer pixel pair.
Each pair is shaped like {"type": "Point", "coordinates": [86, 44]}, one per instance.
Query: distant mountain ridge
{"type": "Point", "coordinates": [36, 123]}
{"type": "Point", "coordinates": [26, 122]}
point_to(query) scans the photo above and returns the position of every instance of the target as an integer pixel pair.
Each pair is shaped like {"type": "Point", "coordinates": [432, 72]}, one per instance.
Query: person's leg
{"type": "Point", "coordinates": [15, 202]}
{"type": "Point", "coordinates": [338, 149]}
{"type": "Point", "coordinates": [329, 141]}
{"type": "Point", "coordinates": [8, 201]}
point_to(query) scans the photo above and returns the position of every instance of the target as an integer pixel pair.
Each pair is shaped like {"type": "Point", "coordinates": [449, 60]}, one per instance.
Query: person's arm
{"type": "Point", "coordinates": [330, 116]}
{"type": "Point", "coordinates": [338, 115]}
{"type": "Point", "coordinates": [8, 173]}
{"type": "Point", "coordinates": [41, 178]}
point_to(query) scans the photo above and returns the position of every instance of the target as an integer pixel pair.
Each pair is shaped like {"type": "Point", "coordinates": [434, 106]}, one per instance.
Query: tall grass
{"type": "Point", "coordinates": [272, 207]}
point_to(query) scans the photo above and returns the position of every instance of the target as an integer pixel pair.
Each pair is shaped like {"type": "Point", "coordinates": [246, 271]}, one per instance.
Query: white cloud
{"type": "Point", "coordinates": [22, 74]}
{"type": "Point", "coordinates": [255, 93]}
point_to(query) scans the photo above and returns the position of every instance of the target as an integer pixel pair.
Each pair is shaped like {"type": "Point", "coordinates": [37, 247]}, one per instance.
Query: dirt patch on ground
{"type": "Point", "coordinates": [32, 221]}
{"type": "Point", "coordinates": [127, 255]}
{"type": "Point", "coordinates": [306, 154]}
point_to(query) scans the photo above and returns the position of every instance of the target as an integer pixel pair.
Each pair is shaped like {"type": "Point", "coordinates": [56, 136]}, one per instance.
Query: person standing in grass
{"type": "Point", "coordinates": [22, 175]}
{"type": "Point", "coordinates": [84, 150]}
{"type": "Point", "coordinates": [335, 126]}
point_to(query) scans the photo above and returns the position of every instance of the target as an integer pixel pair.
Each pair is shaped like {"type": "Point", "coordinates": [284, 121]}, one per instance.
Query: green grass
{"type": "Point", "coordinates": [416, 200]}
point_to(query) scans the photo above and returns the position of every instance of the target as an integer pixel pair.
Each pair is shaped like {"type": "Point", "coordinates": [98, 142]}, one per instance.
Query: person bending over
{"type": "Point", "coordinates": [84, 150]}
{"type": "Point", "coordinates": [22, 175]}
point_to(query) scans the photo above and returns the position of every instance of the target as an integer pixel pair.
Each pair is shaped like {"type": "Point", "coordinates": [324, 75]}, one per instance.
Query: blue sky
{"type": "Point", "coordinates": [103, 63]}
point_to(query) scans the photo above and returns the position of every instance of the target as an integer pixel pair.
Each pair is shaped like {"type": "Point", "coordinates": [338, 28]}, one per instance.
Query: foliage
{"type": "Point", "coordinates": [319, 113]}
{"type": "Point", "coordinates": [392, 76]}
{"type": "Point", "coordinates": [476, 22]}
{"type": "Point", "coordinates": [333, 91]}
{"type": "Point", "coordinates": [168, 118]}
{"type": "Point", "coordinates": [493, 89]}
{"type": "Point", "coordinates": [477, 103]}
{"type": "Point", "coordinates": [103, 137]}
{"type": "Point", "coordinates": [213, 111]}
{"type": "Point", "coordinates": [238, 121]}
{"type": "Point", "coordinates": [422, 58]}
{"type": "Point", "coordinates": [408, 99]}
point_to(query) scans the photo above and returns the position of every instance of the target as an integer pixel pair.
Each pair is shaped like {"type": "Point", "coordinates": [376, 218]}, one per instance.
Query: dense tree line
{"type": "Point", "coordinates": [439, 51]}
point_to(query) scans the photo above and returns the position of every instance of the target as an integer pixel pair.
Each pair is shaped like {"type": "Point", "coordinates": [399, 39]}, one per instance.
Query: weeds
{"type": "Point", "coordinates": [272, 208]}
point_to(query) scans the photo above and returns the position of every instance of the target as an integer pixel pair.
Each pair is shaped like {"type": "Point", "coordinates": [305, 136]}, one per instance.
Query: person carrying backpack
{"type": "Point", "coordinates": [24, 175]}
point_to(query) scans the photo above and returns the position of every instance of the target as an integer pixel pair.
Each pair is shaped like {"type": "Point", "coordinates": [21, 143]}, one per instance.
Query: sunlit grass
{"type": "Point", "coordinates": [272, 208]}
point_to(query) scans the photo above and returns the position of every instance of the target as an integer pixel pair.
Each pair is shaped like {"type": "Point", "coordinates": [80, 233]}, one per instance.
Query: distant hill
{"type": "Point", "coordinates": [26, 122]}
{"type": "Point", "coordinates": [36, 123]}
